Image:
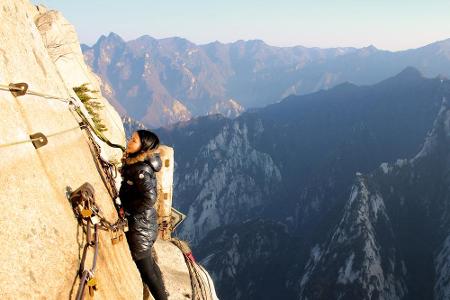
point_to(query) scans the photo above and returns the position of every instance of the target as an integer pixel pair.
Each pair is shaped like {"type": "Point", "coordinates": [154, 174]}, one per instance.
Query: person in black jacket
{"type": "Point", "coordinates": [138, 194]}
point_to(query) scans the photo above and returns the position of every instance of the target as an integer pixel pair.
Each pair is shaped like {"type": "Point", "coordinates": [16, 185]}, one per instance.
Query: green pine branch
{"type": "Point", "coordinates": [93, 107]}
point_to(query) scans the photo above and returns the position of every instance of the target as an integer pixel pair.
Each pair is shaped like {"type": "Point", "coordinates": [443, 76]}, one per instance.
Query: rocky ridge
{"type": "Point", "coordinates": [163, 81]}
{"type": "Point", "coordinates": [344, 246]}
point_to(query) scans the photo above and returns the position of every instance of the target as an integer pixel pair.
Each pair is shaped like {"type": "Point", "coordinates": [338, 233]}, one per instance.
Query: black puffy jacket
{"type": "Point", "coordinates": [138, 194]}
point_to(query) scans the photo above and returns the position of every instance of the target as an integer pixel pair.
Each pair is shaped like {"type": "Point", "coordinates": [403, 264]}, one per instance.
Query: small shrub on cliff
{"type": "Point", "coordinates": [85, 95]}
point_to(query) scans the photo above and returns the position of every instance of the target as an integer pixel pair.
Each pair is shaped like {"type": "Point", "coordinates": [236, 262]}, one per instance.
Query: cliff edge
{"type": "Point", "coordinates": [42, 240]}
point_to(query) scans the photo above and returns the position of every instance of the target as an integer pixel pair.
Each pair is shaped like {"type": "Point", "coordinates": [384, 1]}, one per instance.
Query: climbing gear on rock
{"type": "Point", "coordinates": [89, 215]}
{"type": "Point", "coordinates": [87, 212]}
{"type": "Point", "coordinates": [18, 89]}
{"type": "Point", "coordinates": [21, 89]}
{"type": "Point", "coordinates": [107, 170]}
{"type": "Point", "coordinates": [81, 202]}
{"type": "Point", "coordinates": [39, 139]}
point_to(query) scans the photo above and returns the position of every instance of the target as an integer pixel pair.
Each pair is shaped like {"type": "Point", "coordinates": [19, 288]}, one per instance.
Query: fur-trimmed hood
{"type": "Point", "coordinates": [150, 156]}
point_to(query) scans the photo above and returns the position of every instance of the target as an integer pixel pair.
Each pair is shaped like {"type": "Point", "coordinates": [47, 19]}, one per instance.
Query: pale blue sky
{"type": "Point", "coordinates": [387, 24]}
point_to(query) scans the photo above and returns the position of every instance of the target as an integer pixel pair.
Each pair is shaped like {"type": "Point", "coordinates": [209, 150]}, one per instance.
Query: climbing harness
{"type": "Point", "coordinates": [199, 289]}
{"type": "Point", "coordinates": [89, 215]}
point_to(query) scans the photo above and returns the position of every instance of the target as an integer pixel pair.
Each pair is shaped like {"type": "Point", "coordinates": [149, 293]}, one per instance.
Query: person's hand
{"type": "Point", "coordinates": [121, 212]}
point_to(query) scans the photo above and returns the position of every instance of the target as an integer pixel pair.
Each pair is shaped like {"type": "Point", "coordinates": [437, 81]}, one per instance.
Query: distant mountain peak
{"type": "Point", "coordinates": [114, 35]}
{"type": "Point", "coordinates": [257, 42]}
{"type": "Point", "coordinates": [368, 50]}
{"type": "Point", "coordinates": [111, 38]}
{"type": "Point", "coordinates": [442, 44]}
{"type": "Point", "coordinates": [410, 72]}
{"type": "Point", "coordinates": [177, 40]}
{"type": "Point", "coordinates": [254, 42]}
{"type": "Point", "coordinates": [344, 86]}
{"type": "Point", "coordinates": [146, 37]}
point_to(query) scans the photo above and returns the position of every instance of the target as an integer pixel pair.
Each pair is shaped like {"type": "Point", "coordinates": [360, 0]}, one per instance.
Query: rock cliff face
{"type": "Point", "coordinates": [360, 260]}
{"type": "Point", "coordinates": [397, 221]}
{"type": "Point", "coordinates": [42, 242]}
{"type": "Point", "coordinates": [296, 158]}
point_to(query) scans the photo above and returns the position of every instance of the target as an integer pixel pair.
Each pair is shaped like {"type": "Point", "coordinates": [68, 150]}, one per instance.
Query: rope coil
{"type": "Point", "coordinates": [199, 289]}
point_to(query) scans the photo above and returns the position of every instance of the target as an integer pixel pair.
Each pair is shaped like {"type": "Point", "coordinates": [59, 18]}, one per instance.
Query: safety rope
{"type": "Point", "coordinates": [108, 171]}
{"type": "Point", "coordinates": [89, 215]}
{"type": "Point", "coordinates": [38, 138]}
{"type": "Point", "coordinates": [83, 202]}
{"type": "Point", "coordinates": [205, 273]}
{"type": "Point", "coordinates": [199, 290]}
{"type": "Point", "coordinates": [20, 89]}
{"type": "Point", "coordinates": [13, 88]}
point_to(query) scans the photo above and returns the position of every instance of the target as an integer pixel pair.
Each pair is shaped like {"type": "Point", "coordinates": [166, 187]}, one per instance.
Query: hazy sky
{"type": "Point", "coordinates": [387, 24]}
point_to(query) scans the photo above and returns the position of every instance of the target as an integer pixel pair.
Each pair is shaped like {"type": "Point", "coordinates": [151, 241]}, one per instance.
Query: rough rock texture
{"type": "Point", "coordinates": [317, 142]}
{"type": "Point", "coordinates": [364, 242]}
{"type": "Point", "coordinates": [234, 169]}
{"type": "Point", "coordinates": [41, 236]}
{"type": "Point", "coordinates": [42, 242]}
{"type": "Point", "coordinates": [393, 239]}
{"type": "Point", "coordinates": [61, 41]}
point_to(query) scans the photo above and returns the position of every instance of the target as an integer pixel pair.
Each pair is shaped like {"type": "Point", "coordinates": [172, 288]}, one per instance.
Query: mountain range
{"type": "Point", "coordinates": [164, 81]}
{"type": "Point", "coordinates": [322, 196]}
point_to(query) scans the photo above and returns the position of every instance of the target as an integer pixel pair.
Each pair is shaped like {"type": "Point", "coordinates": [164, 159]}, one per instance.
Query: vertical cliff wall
{"type": "Point", "coordinates": [41, 240]}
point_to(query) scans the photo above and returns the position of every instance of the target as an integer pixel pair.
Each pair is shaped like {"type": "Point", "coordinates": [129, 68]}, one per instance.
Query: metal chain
{"type": "Point", "coordinates": [106, 167]}
{"type": "Point", "coordinates": [10, 88]}
{"type": "Point", "coordinates": [71, 101]}
{"type": "Point", "coordinates": [38, 139]}
{"type": "Point", "coordinates": [88, 215]}
{"type": "Point", "coordinates": [88, 274]}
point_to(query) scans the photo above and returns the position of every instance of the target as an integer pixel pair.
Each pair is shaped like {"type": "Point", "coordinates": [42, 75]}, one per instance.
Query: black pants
{"type": "Point", "coordinates": [151, 275]}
